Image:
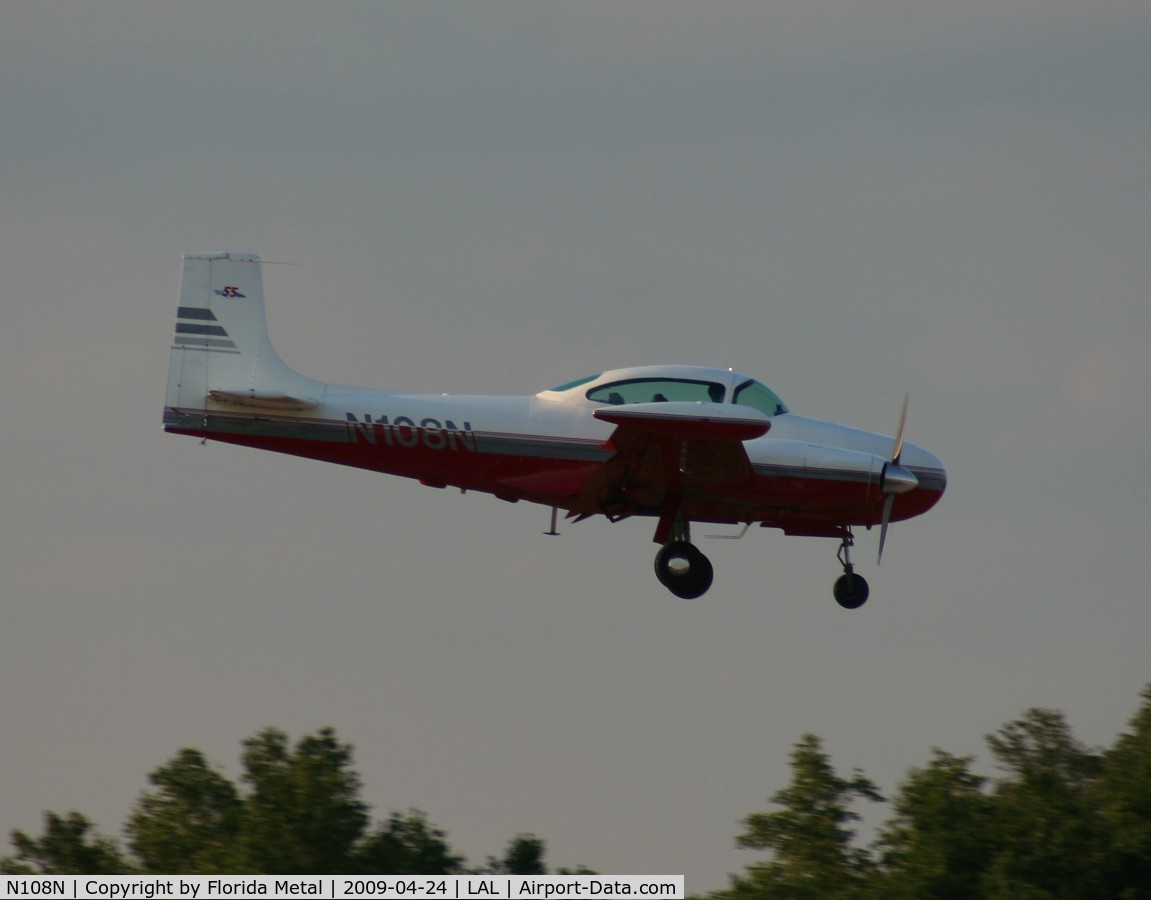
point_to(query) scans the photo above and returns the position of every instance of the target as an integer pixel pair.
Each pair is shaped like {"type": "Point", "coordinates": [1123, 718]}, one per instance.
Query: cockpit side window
{"type": "Point", "coordinates": [758, 396]}
{"type": "Point", "coordinates": [658, 390]}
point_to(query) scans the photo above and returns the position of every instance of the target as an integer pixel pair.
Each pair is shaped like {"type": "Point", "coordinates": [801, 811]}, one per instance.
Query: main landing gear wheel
{"type": "Point", "coordinates": [851, 590]}
{"type": "Point", "coordinates": [683, 570]}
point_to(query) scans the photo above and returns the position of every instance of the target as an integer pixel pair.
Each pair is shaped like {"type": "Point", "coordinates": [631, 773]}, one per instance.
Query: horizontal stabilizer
{"type": "Point", "coordinates": [708, 421]}
{"type": "Point", "coordinates": [263, 400]}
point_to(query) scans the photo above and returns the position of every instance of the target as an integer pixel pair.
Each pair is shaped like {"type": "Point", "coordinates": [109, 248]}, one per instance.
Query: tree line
{"type": "Point", "coordinates": [1061, 820]}
{"type": "Point", "coordinates": [298, 811]}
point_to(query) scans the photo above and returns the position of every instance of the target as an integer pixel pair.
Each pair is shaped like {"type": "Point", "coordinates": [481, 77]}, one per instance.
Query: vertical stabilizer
{"type": "Point", "coordinates": [221, 354]}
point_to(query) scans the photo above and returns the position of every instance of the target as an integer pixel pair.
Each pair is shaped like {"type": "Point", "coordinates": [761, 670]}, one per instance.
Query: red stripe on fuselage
{"type": "Point", "coordinates": [800, 501]}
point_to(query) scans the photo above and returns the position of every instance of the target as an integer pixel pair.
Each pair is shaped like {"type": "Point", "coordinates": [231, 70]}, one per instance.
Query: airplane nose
{"type": "Point", "coordinates": [928, 468]}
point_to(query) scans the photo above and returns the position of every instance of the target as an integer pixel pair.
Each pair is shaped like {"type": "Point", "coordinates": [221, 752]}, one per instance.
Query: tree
{"type": "Point", "coordinates": [303, 815]}
{"type": "Point", "coordinates": [190, 823]}
{"type": "Point", "coordinates": [524, 856]}
{"type": "Point", "coordinates": [1124, 796]}
{"type": "Point", "coordinates": [938, 842]}
{"type": "Point", "coordinates": [406, 845]}
{"type": "Point", "coordinates": [1050, 836]}
{"type": "Point", "coordinates": [67, 848]}
{"type": "Point", "coordinates": [810, 838]}
{"type": "Point", "coordinates": [298, 812]}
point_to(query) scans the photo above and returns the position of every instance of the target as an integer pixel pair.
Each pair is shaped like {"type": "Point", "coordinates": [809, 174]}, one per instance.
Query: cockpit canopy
{"type": "Point", "coordinates": [683, 384]}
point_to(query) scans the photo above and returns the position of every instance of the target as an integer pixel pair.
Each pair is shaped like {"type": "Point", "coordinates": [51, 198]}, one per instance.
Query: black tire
{"type": "Point", "coordinates": [683, 570]}
{"type": "Point", "coordinates": [851, 590]}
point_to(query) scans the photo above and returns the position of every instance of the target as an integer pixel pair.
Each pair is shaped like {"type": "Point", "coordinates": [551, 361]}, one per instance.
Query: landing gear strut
{"type": "Point", "coordinates": [851, 590]}
{"type": "Point", "coordinates": [681, 567]}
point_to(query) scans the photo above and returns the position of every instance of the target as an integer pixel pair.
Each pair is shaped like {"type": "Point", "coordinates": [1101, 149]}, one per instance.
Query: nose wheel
{"type": "Point", "coordinates": [683, 569]}
{"type": "Point", "coordinates": [851, 590]}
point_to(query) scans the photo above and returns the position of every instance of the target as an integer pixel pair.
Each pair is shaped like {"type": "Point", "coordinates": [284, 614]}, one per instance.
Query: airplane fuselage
{"type": "Point", "coordinates": [810, 476]}
{"type": "Point", "coordinates": [679, 443]}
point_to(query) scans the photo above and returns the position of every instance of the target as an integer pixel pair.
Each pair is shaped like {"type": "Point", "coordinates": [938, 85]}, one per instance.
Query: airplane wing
{"type": "Point", "coordinates": [665, 451]}
{"type": "Point", "coordinates": [689, 420]}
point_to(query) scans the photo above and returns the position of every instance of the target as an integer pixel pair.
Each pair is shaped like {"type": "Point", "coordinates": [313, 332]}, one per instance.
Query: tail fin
{"type": "Point", "coordinates": [221, 354]}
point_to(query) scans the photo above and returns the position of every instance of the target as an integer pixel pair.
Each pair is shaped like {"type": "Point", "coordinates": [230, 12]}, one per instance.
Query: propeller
{"type": "Point", "coordinates": [894, 479]}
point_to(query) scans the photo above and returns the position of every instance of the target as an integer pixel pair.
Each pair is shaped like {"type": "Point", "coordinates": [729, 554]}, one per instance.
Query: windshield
{"type": "Point", "coordinates": [758, 396]}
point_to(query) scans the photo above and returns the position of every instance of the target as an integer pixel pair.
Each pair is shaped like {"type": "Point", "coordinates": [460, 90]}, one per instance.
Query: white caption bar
{"type": "Point", "coordinates": [437, 887]}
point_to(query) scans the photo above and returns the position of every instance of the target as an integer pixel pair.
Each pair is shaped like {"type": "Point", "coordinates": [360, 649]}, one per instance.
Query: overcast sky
{"type": "Point", "coordinates": [848, 200]}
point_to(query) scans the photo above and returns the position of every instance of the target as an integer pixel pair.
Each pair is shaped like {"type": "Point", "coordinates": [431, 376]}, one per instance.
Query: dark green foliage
{"type": "Point", "coordinates": [1062, 821]}
{"type": "Point", "coordinates": [1047, 824]}
{"type": "Point", "coordinates": [939, 840]}
{"type": "Point", "coordinates": [299, 813]}
{"type": "Point", "coordinates": [67, 848]}
{"type": "Point", "coordinates": [1123, 792]}
{"type": "Point", "coordinates": [810, 838]}
{"type": "Point", "coordinates": [190, 823]}
{"type": "Point", "coordinates": [523, 856]}
{"type": "Point", "coordinates": [406, 845]}
{"type": "Point", "coordinates": [303, 815]}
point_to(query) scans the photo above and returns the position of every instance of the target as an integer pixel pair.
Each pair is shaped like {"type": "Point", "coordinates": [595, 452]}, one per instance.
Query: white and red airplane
{"type": "Point", "coordinates": [680, 444]}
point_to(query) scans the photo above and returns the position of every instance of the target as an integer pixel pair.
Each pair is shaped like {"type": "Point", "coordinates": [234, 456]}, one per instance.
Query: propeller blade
{"type": "Point", "coordinates": [894, 479]}
{"type": "Point", "coordinates": [897, 450]}
{"type": "Point", "coordinates": [887, 504]}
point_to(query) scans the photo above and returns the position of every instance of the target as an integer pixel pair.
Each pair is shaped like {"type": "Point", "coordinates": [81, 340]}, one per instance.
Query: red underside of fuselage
{"type": "Point", "coordinates": [804, 504]}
